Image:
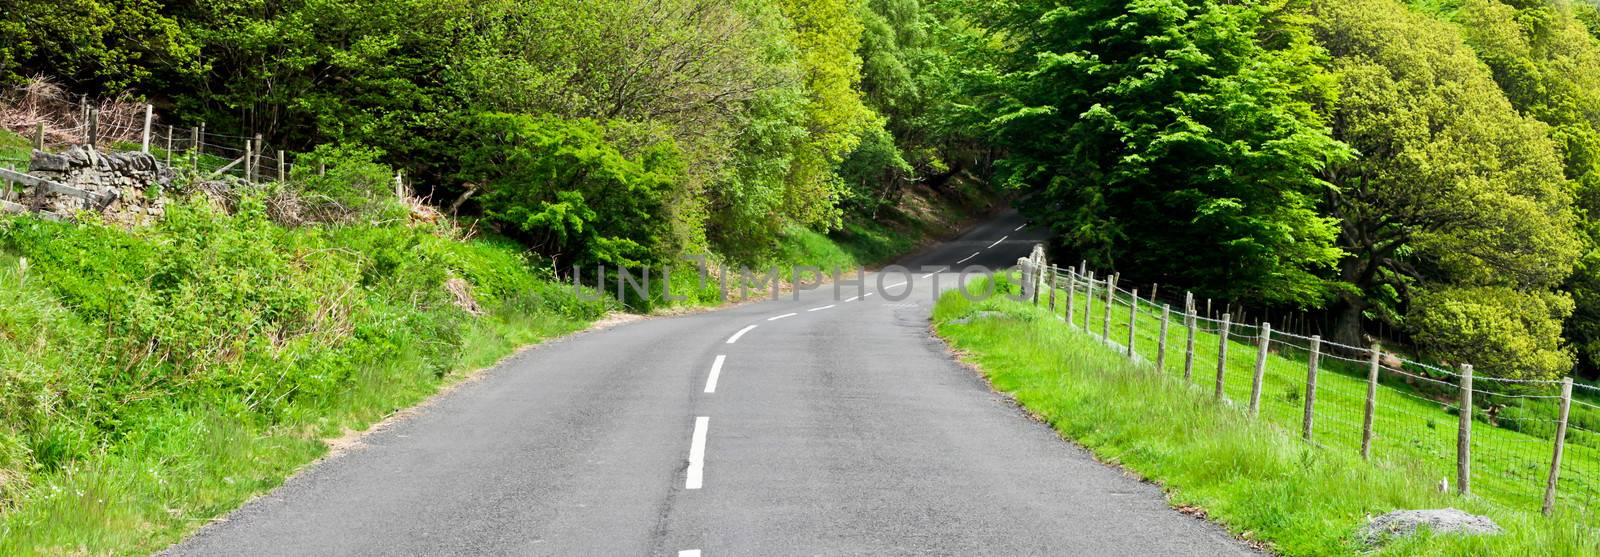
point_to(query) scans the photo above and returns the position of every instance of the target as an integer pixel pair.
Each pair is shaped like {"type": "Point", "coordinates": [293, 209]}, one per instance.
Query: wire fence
{"type": "Point", "coordinates": [54, 120]}
{"type": "Point", "coordinates": [1526, 444]}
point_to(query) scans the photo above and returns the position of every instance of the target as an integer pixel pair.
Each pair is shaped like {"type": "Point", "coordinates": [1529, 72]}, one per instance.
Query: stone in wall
{"type": "Point", "coordinates": [132, 181]}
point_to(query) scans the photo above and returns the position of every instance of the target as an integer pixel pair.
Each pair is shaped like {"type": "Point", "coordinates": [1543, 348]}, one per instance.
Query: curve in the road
{"type": "Point", "coordinates": [848, 431]}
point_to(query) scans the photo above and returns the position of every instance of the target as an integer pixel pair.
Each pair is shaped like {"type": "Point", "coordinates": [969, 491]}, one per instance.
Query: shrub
{"type": "Point", "coordinates": [568, 190]}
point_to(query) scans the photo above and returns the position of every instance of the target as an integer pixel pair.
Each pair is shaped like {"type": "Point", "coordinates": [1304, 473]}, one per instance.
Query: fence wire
{"type": "Point", "coordinates": [1415, 406]}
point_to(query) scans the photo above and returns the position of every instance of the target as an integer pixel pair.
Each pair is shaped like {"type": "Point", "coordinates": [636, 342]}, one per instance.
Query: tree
{"type": "Point", "coordinates": [1548, 65]}
{"type": "Point", "coordinates": [565, 188]}
{"type": "Point", "coordinates": [1455, 194]}
{"type": "Point", "coordinates": [96, 46]}
{"type": "Point", "coordinates": [1175, 139]}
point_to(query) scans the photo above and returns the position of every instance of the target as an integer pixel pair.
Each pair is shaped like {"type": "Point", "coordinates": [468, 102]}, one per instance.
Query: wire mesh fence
{"type": "Point", "coordinates": [53, 120]}
{"type": "Point", "coordinates": [1519, 448]}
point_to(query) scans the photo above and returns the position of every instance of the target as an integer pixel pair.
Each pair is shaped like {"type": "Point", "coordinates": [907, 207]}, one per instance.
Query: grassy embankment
{"type": "Point", "coordinates": [154, 379]}
{"type": "Point", "coordinates": [1254, 476]}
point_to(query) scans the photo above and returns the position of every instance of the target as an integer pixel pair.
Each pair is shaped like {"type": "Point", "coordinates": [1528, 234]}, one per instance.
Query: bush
{"type": "Point", "coordinates": [568, 190]}
{"type": "Point", "coordinates": [241, 321]}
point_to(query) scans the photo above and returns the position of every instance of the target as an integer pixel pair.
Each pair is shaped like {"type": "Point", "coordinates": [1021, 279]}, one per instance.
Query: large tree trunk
{"type": "Point", "coordinates": [1347, 316]}
{"type": "Point", "coordinates": [1347, 324]}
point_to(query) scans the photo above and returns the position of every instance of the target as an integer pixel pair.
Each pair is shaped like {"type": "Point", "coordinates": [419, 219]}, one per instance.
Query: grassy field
{"type": "Point", "coordinates": [1254, 476]}
{"type": "Point", "coordinates": [1414, 426]}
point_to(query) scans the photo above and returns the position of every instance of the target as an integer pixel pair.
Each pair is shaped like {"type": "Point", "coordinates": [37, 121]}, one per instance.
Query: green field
{"type": "Point", "coordinates": [1414, 424]}
{"type": "Point", "coordinates": [1254, 476]}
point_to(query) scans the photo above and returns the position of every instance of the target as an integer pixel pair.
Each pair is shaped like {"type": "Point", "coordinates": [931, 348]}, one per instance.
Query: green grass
{"type": "Point", "coordinates": [1254, 476]}
{"type": "Point", "coordinates": [1412, 428]}
{"type": "Point", "coordinates": [15, 150]}
{"type": "Point", "coordinates": [322, 330]}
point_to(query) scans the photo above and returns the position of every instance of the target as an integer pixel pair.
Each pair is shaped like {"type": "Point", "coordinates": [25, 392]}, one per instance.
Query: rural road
{"type": "Point", "coordinates": [833, 427]}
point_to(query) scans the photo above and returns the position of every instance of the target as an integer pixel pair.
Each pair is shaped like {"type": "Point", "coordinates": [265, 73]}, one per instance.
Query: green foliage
{"type": "Point", "coordinates": [1548, 64]}
{"type": "Point", "coordinates": [1499, 330]}
{"type": "Point", "coordinates": [346, 180]}
{"type": "Point", "coordinates": [1174, 138]}
{"type": "Point", "coordinates": [153, 378]}
{"type": "Point", "coordinates": [1455, 190]}
{"type": "Point", "coordinates": [99, 46]}
{"type": "Point", "coordinates": [569, 190]}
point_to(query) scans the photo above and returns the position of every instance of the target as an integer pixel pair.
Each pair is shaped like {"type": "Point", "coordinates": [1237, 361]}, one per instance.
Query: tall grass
{"type": "Point", "coordinates": [1413, 427]}
{"type": "Point", "coordinates": [1253, 476]}
{"type": "Point", "coordinates": [153, 379]}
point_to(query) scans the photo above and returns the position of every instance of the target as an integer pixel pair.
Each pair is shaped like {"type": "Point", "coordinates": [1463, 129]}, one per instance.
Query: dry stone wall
{"type": "Point", "coordinates": [127, 185]}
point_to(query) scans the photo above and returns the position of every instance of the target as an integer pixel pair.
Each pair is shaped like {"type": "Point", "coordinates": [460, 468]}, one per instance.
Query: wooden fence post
{"type": "Point", "coordinates": [170, 131]}
{"type": "Point", "coordinates": [1188, 350]}
{"type": "Point", "coordinates": [1561, 443]}
{"type": "Point", "coordinates": [38, 136]}
{"type": "Point", "coordinates": [144, 144]}
{"type": "Point", "coordinates": [255, 163]}
{"type": "Point", "coordinates": [247, 152]}
{"type": "Point", "coordinates": [1133, 317]}
{"type": "Point", "coordinates": [1222, 352]}
{"type": "Point", "coordinates": [1054, 276]}
{"type": "Point", "coordinates": [1111, 298]}
{"type": "Point", "coordinates": [1161, 345]}
{"type": "Point", "coordinates": [1072, 293]}
{"type": "Point", "coordinates": [1372, 401]}
{"type": "Point", "coordinates": [1038, 279]}
{"type": "Point", "coordinates": [1311, 386]}
{"type": "Point", "coordinates": [1261, 369]}
{"type": "Point", "coordinates": [281, 166]}
{"type": "Point", "coordinates": [1088, 302]}
{"type": "Point", "coordinates": [94, 127]}
{"type": "Point", "coordinates": [1464, 434]}
{"type": "Point", "coordinates": [194, 148]}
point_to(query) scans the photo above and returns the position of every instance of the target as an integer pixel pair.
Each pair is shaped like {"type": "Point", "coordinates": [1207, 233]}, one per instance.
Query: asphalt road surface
{"type": "Point", "coordinates": [836, 426]}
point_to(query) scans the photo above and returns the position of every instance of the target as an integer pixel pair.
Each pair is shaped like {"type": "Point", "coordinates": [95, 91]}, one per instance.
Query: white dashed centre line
{"type": "Point", "coordinates": [997, 242]}
{"type": "Point", "coordinates": [716, 370]}
{"type": "Point", "coordinates": [735, 337]}
{"type": "Point", "coordinates": [689, 553]}
{"type": "Point", "coordinates": [969, 258]}
{"type": "Point", "coordinates": [853, 298]}
{"type": "Point", "coordinates": [777, 317]}
{"type": "Point", "coordinates": [1019, 228]}
{"type": "Point", "coordinates": [697, 454]}
{"type": "Point", "coordinates": [821, 308]}
{"type": "Point", "coordinates": [941, 269]}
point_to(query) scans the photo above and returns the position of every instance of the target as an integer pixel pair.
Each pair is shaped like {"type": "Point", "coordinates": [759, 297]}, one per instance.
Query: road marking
{"type": "Point", "coordinates": [895, 285]}
{"type": "Point", "coordinates": [689, 553]}
{"type": "Point", "coordinates": [997, 242]}
{"type": "Point", "coordinates": [697, 453]}
{"type": "Point", "coordinates": [867, 294]}
{"type": "Point", "coordinates": [853, 298]}
{"type": "Point", "coordinates": [821, 308]}
{"type": "Point", "coordinates": [1019, 228]}
{"type": "Point", "coordinates": [941, 269]}
{"type": "Point", "coordinates": [777, 317]}
{"type": "Point", "coordinates": [969, 258]}
{"type": "Point", "coordinates": [735, 337]}
{"type": "Point", "coordinates": [716, 370]}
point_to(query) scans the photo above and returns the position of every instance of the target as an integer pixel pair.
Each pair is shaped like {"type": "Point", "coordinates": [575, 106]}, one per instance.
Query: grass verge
{"type": "Point", "coordinates": [156, 378]}
{"type": "Point", "coordinates": [1258, 480]}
